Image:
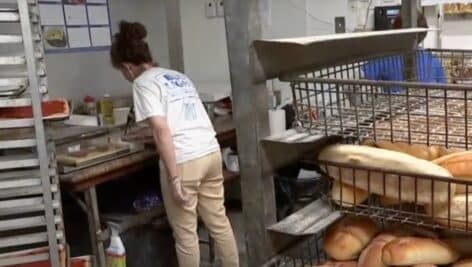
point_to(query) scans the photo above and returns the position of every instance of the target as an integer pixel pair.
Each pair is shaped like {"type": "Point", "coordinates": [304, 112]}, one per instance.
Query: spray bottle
{"type": "Point", "coordinates": [115, 253]}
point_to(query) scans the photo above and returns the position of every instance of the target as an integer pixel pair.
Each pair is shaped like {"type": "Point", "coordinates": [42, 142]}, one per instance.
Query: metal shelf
{"type": "Point", "coordinates": [13, 144]}
{"type": "Point", "coordinates": [28, 186]}
{"type": "Point", "coordinates": [16, 123]}
{"type": "Point", "coordinates": [17, 183]}
{"type": "Point", "coordinates": [25, 191]}
{"type": "Point", "coordinates": [25, 205]}
{"type": "Point", "coordinates": [24, 223]}
{"type": "Point", "coordinates": [18, 161]}
{"type": "Point", "coordinates": [13, 60]}
{"type": "Point", "coordinates": [17, 102]}
{"type": "Point", "coordinates": [10, 39]}
{"type": "Point", "coordinates": [10, 84]}
{"type": "Point", "coordinates": [9, 16]}
{"type": "Point", "coordinates": [22, 259]}
{"type": "Point", "coordinates": [23, 174]}
{"type": "Point", "coordinates": [20, 240]}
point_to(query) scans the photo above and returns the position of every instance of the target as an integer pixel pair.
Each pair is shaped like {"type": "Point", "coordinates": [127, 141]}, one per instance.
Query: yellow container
{"type": "Point", "coordinates": [106, 108]}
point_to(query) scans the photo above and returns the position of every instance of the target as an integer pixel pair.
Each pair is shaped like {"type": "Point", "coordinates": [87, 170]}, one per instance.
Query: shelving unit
{"type": "Point", "coordinates": [30, 205]}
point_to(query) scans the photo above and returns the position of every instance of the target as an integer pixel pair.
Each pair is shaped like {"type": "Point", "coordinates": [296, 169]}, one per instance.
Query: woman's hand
{"type": "Point", "coordinates": [178, 192]}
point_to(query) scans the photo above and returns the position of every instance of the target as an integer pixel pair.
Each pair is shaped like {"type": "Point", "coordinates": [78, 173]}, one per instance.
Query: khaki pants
{"type": "Point", "coordinates": [202, 180]}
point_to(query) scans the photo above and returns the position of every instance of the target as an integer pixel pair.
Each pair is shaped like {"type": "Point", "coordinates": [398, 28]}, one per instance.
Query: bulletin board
{"type": "Point", "coordinates": [75, 25]}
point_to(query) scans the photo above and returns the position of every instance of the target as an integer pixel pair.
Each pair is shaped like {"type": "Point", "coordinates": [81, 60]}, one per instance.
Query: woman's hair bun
{"type": "Point", "coordinates": [132, 31]}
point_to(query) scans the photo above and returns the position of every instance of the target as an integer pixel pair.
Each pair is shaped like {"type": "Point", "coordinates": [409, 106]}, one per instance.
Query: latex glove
{"type": "Point", "coordinates": [178, 192]}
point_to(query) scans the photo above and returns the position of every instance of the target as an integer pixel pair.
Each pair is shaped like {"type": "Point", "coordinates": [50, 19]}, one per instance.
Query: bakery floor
{"type": "Point", "coordinates": [146, 246]}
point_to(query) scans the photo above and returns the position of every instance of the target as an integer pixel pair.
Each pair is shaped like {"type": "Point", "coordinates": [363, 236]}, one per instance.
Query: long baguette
{"type": "Point", "coordinates": [405, 251]}
{"type": "Point", "coordinates": [390, 161]}
{"type": "Point", "coordinates": [459, 165]}
{"type": "Point", "coordinates": [338, 264]}
{"type": "Point", "coordinates": [347, 195]}
{"type": "Point", "coordinates": [417, 150]}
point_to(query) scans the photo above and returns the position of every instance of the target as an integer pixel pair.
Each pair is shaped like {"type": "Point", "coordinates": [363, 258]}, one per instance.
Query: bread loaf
{"type": "Point", "coordinates": [463, 263]}
{"type": "Point", "coordinates": [371, 256]}
{"type": "Point", "coordinates": [425, 265]}
{"type": "Point", "coordinates": [338, 264]}
{"type": "Point", "coordinates": [460, 166]}
{"type": "Point", "coordinates": [345, 239]}
{"type": "Point", "coordinates": [405, 251]}
{"type": "Point", "coordinates": [455, 213]}
{"type": "Point", "coordinates": [463, 245]}
{"type": "Point", "coordinates": [348, 196]}
{"type": "Point", "coordinates": [417, 150]}
{"type": "Point", "coordinates": [400, 229]}
{"type": "Point", "coordinates": [390, 161]}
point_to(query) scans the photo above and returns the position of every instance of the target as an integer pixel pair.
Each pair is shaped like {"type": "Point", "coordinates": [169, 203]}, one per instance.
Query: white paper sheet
{"type": "Point", "coordinates": [79, 37]}
{"type": "Point", "coordinates": [98, 15]}
{"type": "Point", "coordinates": [308, 174]}
{"type": "Point", "coordinates": [100, 36]}
{"type": "Point", "coordinates": [75, 15]}
{"type": "Point", "coordinates": [51, 14]}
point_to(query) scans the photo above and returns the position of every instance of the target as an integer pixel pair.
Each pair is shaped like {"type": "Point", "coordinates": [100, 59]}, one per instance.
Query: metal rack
{"type": "Point", "coordinates": [30, 205]}
{"type": "Point", "coordinates": [343, 96]}
{"type": "Point", "coordinates": [304, 253]}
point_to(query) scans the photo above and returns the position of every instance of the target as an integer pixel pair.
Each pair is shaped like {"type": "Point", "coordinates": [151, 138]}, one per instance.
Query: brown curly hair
{"type": "Point", "coordinates": [128, 45]}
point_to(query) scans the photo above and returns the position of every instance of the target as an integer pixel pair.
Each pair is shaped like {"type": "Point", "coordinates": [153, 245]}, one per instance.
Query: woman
{"type": "Point", "coordinates": [191, 167]}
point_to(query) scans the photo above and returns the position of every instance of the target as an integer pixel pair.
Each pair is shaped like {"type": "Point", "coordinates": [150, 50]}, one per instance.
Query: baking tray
{"type": "Point", "coordinates": [65, 159]}
{"type": "Point", "coordinates": [67, 134]}
{"type": "Point", "coordinates": [13, 60]}
{"type": "Point", "coordinates": [62, 169]}
{"type": "Point", "coordinates": [12, 84]}
{"type": "Point", "coordinates": [9, 16]}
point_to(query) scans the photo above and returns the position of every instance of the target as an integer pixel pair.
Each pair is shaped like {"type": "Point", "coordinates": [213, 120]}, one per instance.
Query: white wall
{"type": "Point", "coordinates": [456, 32]}
{"type": "Point", "coordinates": [204, 44]}
{"type": "Point", "coordinates": [321, 14]}
{"type": "Point", "coordinates": [73, 75]}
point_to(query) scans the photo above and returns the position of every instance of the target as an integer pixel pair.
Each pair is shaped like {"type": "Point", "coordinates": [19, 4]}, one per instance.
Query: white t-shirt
{"type": "Point", "coordinates": [170, 94]}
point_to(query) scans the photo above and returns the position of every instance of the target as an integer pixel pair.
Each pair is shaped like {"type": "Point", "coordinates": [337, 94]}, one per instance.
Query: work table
{"type": "Point", "coordinates": [85, 180]}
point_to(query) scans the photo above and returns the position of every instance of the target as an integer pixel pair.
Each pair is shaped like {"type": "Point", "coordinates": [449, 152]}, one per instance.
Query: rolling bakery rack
{"type": "Point", "coordinates": [339, 96]}
{"type": "Point", "coordinates": [31, 227]}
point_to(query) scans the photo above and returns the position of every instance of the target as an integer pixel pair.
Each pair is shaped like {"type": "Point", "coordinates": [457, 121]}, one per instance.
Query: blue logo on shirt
{"type": "Point", "coordinates": [177, 80]}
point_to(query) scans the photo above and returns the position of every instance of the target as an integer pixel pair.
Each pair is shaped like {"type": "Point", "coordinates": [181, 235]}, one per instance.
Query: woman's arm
{"type": "Point", "coordinates": [164, 144]}
{"type": "Point", "coordinates": [166, 150]}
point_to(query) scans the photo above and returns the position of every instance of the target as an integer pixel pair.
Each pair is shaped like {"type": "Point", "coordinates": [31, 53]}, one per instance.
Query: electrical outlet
{"type": "Point", "coordinates": [210, 8]}
{"type": "Point", "coordinates": [220, 11]}
{"type": "Point", "coordinates": [340, 24]}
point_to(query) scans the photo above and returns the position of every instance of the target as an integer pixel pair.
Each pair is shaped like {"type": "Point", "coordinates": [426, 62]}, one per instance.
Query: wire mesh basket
{"type": "Point", "coordinates": [417, 97]}
{"type": "Point", "coordinates": [303, 253]}
{"type": "Point", "coordinates": [384, 98]}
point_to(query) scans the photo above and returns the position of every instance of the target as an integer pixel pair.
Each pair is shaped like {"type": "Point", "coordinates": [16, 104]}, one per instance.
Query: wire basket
{"type": "Point", "coordinates": [303, 253]}
{"type": "Point", "coordinates": [382, 97]}
{"type": "Point", "coordinates": [418, 97]}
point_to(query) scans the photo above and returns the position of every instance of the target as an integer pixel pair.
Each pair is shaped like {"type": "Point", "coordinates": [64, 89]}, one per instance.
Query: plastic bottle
{"type": "Point", "coordinates": [106, 108]}
{"type": "Point", "coordinates": [115, 253]}
{"type": "Point", "coordinates": [90, 105]}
